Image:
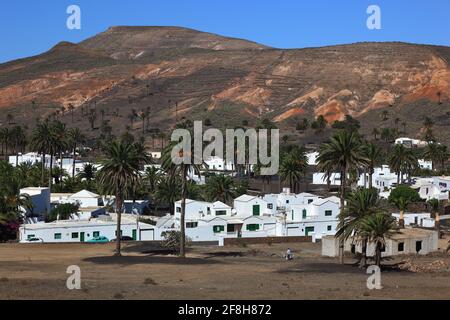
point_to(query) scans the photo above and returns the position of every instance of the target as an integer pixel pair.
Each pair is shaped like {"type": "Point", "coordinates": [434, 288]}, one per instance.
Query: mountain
{"type": "Point", "coordinates": [183, 73]}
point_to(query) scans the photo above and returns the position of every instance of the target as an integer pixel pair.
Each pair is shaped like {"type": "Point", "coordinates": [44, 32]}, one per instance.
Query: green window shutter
{"type": "Point", "coordinates": [256, 210]}
{"type": "Point", "coordinates": [221, 213]}
{"type": "Point", "coordinates": [218, 229]}
{"type": "Point", "coordinates": [31, 236]}
{"type": "Point", "coordinates": [252, 227]}
{"type": "Point", "coordinates": [57, 236]}
{"type": "Point", "coordinates": [308, 230]}
{"type": "Point", "coordinates": [96, 234]}
{"type": "Point", "coordinates": [328, 213]}
{"type": "Point", "coordinates": [304, 213]}
{"type": "Point", "coordinates": [329, 228]}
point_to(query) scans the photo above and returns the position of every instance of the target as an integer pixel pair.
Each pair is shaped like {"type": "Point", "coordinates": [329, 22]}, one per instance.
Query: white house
{"type": "Point", "coordinates": [312, 158]}
{"type": "Point", "coordinates": [425, 164]}
{"type": "Point", "coordinates": [417, 219]}
{"type": "Point", "coordinates": [408, 142]}
{"type": "Point", "coordinates": [91, 204]}
{"type": "Point", "coordinates": [282, 202]}
{"type": "Point", "coordinates": [246, 205]}
{"type": "Point", "coordinates": [196, 210]}
{"type": "Point", "coordinates": [82, 231]}
{"type": "Point", "coordinates": [218, 164]}
{"type": "Point", "coordinates": [319, 178]}
{"type": "Point", "coordinates": [31, 157]}
{"type": "Point", "coordinates": [40, 200]}
{"type": "Point", "coordinates": [433, 188]}
{"type": "Point", "coordinates": [407, 241]}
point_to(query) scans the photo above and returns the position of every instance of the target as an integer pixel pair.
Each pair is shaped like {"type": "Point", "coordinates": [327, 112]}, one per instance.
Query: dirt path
{"type": "Point", "coordinates": [253, 272]}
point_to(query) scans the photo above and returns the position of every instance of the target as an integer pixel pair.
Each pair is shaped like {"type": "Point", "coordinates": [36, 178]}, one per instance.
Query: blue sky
{"type": "Point", "coordinates": [32, 27]}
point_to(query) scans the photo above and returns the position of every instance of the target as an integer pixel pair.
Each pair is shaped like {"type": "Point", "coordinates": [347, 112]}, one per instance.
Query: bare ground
{"type": "Point", "coordinates": [38, 271]}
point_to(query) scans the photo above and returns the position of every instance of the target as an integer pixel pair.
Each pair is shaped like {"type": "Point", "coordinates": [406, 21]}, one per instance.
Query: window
{"type": "Point", "coordinates": [191, 225]}
{"type": "Point", "coordinates": [401, 247]}
{"type": "Point", "coordinates": [328, 213]}
{"type": "Point", "coordinates": [96, 234]}
{"type": "Point", "coordinates": [256, 210]}
{"type": "Point", "coordinates": [221, 213]}
{"type": "Point", "coordinates": [310, 201]}
{"type": "Point", "coordinates": [353, 249]}
{"type": "Point", "coordinates": [74, 235]}
{"type": "Point", "coordinates": [218, 229]}
{"type": "Point", "coordinates": [329, 228]}
{"type": "Point", "coordinates": [287, 201]}
{"type": "Point", "coordinates": [304, 213]}
{"type": "Point", "coordinates": [270, 206]}
{"type": "Point", "coordinates": [178, 209]}
{"type": "Point", "coordinates": [383, 248]}
{"type": "Point", "coordinates": [418, 246]}
{"type": "Point", "coordinates": [252, 227]}
{"type": "Point", "coordinates": [31, 236]}
{"type": "Point", "coordinates": [57, 236]}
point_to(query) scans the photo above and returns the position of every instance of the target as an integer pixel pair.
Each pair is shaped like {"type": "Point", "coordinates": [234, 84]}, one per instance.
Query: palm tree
{"type": "Point", "coordinates": [374, 154]}
{"type": "Point", "coordinates": [182, 170]}
{"type": "Point", "coordinates": [5, 135]}
{"type": "Point", "coordinates": [76, 139]}
{"type": "Point", "coordinates": [376, 228]}
{"type": "Point", "coordinates": [437, 154]}
{"type": "Point", "coordinates": [402, 204]}
{"type": "Point", "coordinates": [360, 204]}
{"type": "Point", "coordinates": [221, 188]}
{"type": "Point", "coordinates": [343, 153]}
{"type": "Point", "coordinates": [293, 167]}
{"type": "Point", "coordinates": [120, 176]}
{"type": "Point", "coordinates": [168, 191]}
{"type": "Point", "coordinates": [152, 177]}
{"type": "Point", "coordinates": [60, 142]}
{"type": "Point", "coordinates": [11, 200]}
{"type": "Point", "coordinates": [41, 142]}
{"type": "Point", "coordinates": [401, 160]}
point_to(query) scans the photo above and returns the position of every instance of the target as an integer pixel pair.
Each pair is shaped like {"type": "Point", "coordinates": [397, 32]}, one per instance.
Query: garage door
{"type": "Point", "coordinates": [147, 235]}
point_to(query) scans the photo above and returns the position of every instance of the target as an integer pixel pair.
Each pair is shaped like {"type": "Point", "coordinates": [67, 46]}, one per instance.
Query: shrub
{"type": "Point", "coordinates": [172, 240]}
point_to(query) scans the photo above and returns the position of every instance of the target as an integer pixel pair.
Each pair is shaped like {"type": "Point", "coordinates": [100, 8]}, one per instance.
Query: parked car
{"type": "Point", "coordinates": [123, 238]}
{"type": "Point", "coordinates": [100, 239]}
{"type": "Point", "coordinates": [35, 240]}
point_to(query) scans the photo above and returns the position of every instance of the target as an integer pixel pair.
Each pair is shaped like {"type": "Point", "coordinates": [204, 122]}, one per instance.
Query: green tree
{"type": "Point", "coordinates": [343, 153]}
{"type": "Point", "coordinates": [375, 156]}
{"type": "Point", "coordinates": [64, 211]}
{"type": "Point", "coordinates": [402, 160]}
{"type": "Point", "coordinates": [376, 228]}
{"type": "Point", "coordinates": [76, 139]}
{"type": "Point", "coordinates": [221, 188]}
{"type": "Point", "coordinates": [401, 197]}
{"type": "Point", "coordinates": [120, 176]}
{"type": "Point", "coordinates": [182, 170]}
{"type": "Point", "coordinates": [293, 166]}
{"type": "Point", "coordinates": [360, 204]}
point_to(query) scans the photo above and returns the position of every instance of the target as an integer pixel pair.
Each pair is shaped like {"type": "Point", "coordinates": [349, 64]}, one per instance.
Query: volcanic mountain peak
{"type": "Point", "coordinates": [124, 42]}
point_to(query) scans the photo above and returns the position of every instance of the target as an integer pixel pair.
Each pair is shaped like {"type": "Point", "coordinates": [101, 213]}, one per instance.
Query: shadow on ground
{"type": "Point", "coordinates": [149, 259]}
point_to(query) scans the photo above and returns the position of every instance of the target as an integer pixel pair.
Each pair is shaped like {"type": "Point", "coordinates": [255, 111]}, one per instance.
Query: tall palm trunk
{"type": "Point", "coordinates": [363, 262]}
{"type": "Point", "coordinates": [73, 160]}
{"type": "Point", "coordinates": [118, 252]}
{"type": "Point", "coordinates": [401, 222]}
{"type": "Point", "coordinates": [378, 254]}
{"type": "Point", "coordinates": [437, 223]}
{"type": "Point", "coordinates": [50, 179]}
{"type": "Point", "coordinates": [370, 178]}
{"type": "Point", "coordinates": [183, 214]}
{"type": "Point", "coordinates": [43, 169]}
{"type": "Point", "coordinates": [342, 201]}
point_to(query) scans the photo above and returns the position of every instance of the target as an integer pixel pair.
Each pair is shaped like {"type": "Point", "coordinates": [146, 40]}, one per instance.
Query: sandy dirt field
{"type": "Point", "coordinates": [38, 271]}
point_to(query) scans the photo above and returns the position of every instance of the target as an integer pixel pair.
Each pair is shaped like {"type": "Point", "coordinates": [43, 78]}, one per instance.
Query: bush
{"type": "Point", "coordinates": [63, 212]}
{"type": "Point", "coordinates": [172, 240]}
{"type": "Point", "coordinates": [405, 192]}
